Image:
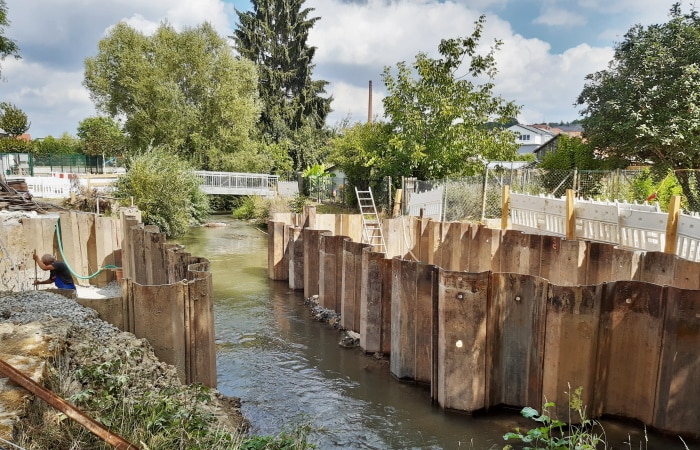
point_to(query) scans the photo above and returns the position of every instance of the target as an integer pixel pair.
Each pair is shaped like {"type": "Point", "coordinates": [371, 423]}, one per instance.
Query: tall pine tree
{"type": "Point", "coordinates": [274, 36]}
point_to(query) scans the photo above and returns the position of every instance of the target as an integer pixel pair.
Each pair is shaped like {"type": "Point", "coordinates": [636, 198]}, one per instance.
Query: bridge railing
{"type": "Point", "coordinates": [236, 183]}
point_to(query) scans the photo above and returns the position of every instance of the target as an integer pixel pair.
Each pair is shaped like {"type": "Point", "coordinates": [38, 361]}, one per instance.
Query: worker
{"type": "Point", "coordinates": [59, 272]}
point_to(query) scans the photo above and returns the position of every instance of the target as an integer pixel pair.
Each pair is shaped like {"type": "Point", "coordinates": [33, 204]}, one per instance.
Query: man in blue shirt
{"type": "Point", "coordinates": [59, 272]}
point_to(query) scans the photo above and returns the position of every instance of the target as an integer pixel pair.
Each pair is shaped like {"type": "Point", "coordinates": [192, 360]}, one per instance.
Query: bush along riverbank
{"type": "Point", "coordinates": [116, 379]}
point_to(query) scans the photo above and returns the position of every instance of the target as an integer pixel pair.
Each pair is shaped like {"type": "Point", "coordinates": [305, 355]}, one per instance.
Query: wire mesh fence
{"type": "Point", "coordinates": [480, 197]}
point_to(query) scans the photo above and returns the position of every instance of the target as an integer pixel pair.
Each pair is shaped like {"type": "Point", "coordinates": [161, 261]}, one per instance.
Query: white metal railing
{"type": "Point", "coordinates": [235, 183]}
{"type": "Point", "coordinates": [638, 226]}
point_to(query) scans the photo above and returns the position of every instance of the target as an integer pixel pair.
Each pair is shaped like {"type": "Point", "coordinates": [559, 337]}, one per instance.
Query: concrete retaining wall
{"type": "Point", "coordinates": [491, 317]}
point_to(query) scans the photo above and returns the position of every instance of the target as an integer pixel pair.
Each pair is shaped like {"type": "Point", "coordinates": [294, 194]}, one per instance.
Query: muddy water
{"type": "Point", "coordinates": [288, 369]}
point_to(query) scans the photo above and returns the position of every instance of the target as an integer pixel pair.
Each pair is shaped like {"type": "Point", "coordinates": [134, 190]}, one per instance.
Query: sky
{"type": "Point", "coordinates": [549, 46]}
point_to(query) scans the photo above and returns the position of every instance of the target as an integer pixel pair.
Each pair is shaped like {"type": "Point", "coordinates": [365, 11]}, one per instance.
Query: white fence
{"type": "Point", "coordinates": [60, 185]}
{"type": "Point", "coordinates": [635, 226]}
{"type": "Point", "coordinates": [429, 202]}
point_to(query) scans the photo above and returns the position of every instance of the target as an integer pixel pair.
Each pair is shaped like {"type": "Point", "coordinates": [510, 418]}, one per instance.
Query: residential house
{"type": "Point", "coordinates": [530, 137]}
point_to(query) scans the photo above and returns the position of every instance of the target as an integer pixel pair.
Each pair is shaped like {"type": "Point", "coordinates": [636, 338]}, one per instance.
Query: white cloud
{"type": "Point", "coordinates": [354, 40]}
{"type": "Point", "coordinates": [560, 18]}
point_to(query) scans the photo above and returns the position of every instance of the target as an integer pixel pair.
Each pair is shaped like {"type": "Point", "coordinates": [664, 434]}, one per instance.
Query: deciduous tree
{"type": "Point", "coordinates": [646, 106]}
{"type": "Point", "coordinates": [13, 120]}
{"type": "Point", "coordinates": [8, 47]}
{"type": "Point", "coordinates": [440, 118]}
{"type": "Point", "coordinates": [183, 90]}
{"type": "Point", "coordinates": [101, 135]}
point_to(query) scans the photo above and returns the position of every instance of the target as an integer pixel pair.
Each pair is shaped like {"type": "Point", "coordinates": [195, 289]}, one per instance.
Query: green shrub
{"type": "Point", "coordinates": [165, 189]}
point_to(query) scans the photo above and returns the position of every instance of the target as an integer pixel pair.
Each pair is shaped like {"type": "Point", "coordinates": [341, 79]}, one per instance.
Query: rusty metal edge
{"type": "Point", "coordinates": [69, 410]}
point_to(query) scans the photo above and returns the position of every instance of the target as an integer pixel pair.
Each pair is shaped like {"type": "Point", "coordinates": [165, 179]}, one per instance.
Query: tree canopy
{"type": "Point", "coordinates": [274, 36]}
{"type": "Point", "coordinates": [645, 107]}
{"type": "Point", "coordinates": [440, 118]}
{"type": "Point", "coordinates": [13, 120]}
{"type": "Point", "coordinates": [8, 47]}
{"type": "Point", "coordinates": [101, 136]}
{"type": "Point", "coordinates": [183, 90]}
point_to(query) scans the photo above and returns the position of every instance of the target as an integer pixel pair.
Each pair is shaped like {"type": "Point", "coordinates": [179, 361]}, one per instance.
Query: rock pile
{"type": "Point", "coordinates": [81, 338]}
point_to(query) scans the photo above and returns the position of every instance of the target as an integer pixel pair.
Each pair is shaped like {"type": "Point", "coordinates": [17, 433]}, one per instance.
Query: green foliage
{"type": "Point", "coordinates": [166, 190]}
{"type": "Point", "coordinates": [13, 120]}
{"type": "Point", "coordinates": [274, 36]}
{"type": "Point", "coordinates": [296, 439]}
{"type": "Point", "coordinates": [8, 47]}
{"type": "Point", "coordinates": [101, 136]}
{"type": "Point", "coordinates": [185, 91]}
{"type": "Point", "coordinates": [298, 203]}
{"type": "Point", "coordinates": [553, 434]}
{"type": "Point", "coordinates": [662, 186]}
{"type": "Point", "coordinates": [646, 106]}
{"type": "Point", "coordinates": [572, 153]}
{"type": "Point", "coordinates": [14, 145]}
{"type": "Point", "coordinates": [252, 208]}
{"type": "Point", "coordinates": [440, 119]}
{"type": "Point", "coordinates": [64, 145]}
{"type": "Point", "coordinates": [363, 152]}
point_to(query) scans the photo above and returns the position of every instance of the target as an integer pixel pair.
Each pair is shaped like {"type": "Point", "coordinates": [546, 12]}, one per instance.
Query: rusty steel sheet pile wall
{"type": "Point", "coordinates": [491, 317]}
{"type": "Point", "coordinates": [166, 299]}
{"type": "Point", "coordinates": [89, 243]}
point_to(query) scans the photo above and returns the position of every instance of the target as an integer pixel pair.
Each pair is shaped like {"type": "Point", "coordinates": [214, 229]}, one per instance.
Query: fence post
{"type": "Point", "coordinates": [505, 206]}
{"type": "Point", "coordinates": [570, 215]}
{"type": "Point", "coordinates": [672, 224]}
{"type": "Point", "coordinates": [483, 193]}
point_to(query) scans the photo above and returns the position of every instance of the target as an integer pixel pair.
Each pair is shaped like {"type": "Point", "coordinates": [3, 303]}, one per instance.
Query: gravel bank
{"type": "Point", "coordinates": [90, 341]}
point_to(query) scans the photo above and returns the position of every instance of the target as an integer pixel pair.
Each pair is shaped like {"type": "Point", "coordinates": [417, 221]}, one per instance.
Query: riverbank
{"type": "Point", "coordinates": [113, 376]}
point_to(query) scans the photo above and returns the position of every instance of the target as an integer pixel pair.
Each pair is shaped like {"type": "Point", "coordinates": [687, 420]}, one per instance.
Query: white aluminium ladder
{"type": "Point", "coordinates": [371, 227]}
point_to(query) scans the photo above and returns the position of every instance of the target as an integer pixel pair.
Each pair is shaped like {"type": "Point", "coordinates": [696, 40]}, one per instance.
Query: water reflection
{"type": "Point", "coordinates": [287, 368]}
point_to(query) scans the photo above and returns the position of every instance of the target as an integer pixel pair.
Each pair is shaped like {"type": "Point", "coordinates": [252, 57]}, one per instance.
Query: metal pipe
{"type": "Point", "coordinates": [66, 408]}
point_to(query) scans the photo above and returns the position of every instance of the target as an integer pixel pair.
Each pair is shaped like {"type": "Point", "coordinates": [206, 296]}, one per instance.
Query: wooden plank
{"type": "Point", "coordinates": [505, 206]}
{"type": "Point", "coordinates": [674, 208]}
{"type": "Point", "coordinates": [629, 347]}
{"type": "Point", "coordinates": [515, 354]}
{"type": "Point", "coordinates": [678, 390]}
{"type": "Point", "coordinates": [461, 340]}
{"type": "Point", "coordinates": [570, 215]}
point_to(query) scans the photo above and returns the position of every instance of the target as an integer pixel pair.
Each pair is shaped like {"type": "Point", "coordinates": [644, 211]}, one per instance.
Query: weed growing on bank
{"type": "Point", "coordinates": [553, 434]}
{"type": "Point", "coordinates": [141, 400]}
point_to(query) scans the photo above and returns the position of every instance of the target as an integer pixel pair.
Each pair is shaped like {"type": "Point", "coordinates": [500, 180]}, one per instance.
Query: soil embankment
{"type": "Point", "coordinates": [55, 337]}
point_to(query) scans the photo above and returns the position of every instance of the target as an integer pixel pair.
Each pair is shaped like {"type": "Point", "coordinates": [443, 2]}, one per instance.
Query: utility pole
{"type": "Point", "coordinates": [369, 107]}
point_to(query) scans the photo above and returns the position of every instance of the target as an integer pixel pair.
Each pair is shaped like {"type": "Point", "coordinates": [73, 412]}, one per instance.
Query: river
{"type": "Point", "coordinates": [289, 369]}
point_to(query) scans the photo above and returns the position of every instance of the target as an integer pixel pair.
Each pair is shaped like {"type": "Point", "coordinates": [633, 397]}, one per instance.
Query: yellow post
{"type": "Point", "coordinates": [397, 203]}
{"type": "Point", "coordinates": [505, 206]}
{"type": "Point", "coordinates": [570, 215]}
{"type": "Point", "coordinates": [674, 209]}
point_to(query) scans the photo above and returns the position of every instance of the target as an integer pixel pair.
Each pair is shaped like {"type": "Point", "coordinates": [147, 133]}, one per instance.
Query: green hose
{"type": "Point", "coordinates": [60, 248]}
